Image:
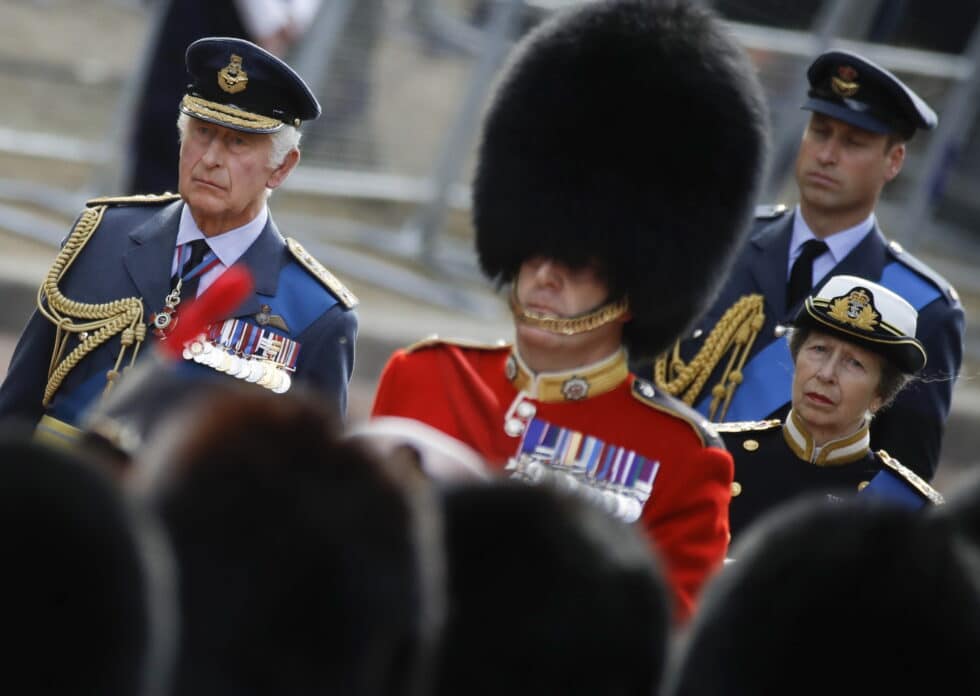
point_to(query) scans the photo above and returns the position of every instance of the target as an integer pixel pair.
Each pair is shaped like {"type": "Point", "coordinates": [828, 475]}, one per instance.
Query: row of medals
{"type": "Point", "coordinates": [266, 373]}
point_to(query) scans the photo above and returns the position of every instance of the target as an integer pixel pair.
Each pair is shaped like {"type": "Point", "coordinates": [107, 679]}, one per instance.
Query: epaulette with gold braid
{"type": "Point", "coordinates": [645, 393]}
{"type": "Point", "coordinates": [734, 335]}
{"type": "Point", "coordinates": [145, 199]}
{"type": "Point", "coordinates": [435, 340]}
{"type": "Point", "coordinates": [329, 280]}
{"type": "Point", "coordinates": [912, 478]}
{"type": "Point", "coordinates": [747, 426]}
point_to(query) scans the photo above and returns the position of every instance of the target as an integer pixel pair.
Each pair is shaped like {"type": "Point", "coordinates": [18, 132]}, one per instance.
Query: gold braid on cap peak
{"type": "Point", "coordinates": [100, 321]}
{"type": "Point", "coordinates": [195, 106]}
{"type": "Point", "coordinates": [568, 326]}
{"type": "Point", "coordinates": [734, 333]}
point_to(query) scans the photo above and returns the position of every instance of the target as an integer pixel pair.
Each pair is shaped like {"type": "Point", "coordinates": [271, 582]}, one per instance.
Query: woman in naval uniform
{"type": "Point", "coordinates": [854, 348]}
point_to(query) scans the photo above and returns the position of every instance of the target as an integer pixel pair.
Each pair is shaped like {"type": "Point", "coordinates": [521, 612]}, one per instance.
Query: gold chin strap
{"type": "Point", "coordinates": [734, 334]}
{"type": "Point", "coordinates": [568, 326]}
{"type": "Point", "coordinates": [101, 321]}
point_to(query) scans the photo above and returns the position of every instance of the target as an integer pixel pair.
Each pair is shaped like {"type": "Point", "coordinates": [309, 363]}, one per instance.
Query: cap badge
{"type": "Point", "coordinates": [232, 78]}
{"type": "Point", "coordinates": [844, 83]}
{"type": "Point", "coordinates": [856, 308]}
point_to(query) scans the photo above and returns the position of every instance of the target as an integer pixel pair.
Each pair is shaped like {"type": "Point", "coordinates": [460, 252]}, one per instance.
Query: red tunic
{"type": "Point", "coordinates": [676, 471]}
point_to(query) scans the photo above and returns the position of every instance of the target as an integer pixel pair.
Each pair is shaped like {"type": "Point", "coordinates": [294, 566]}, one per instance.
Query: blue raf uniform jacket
{"type": "Point", "coordinates": [130, 255]}
{"type": "Point", "coordinates": [911, 429]}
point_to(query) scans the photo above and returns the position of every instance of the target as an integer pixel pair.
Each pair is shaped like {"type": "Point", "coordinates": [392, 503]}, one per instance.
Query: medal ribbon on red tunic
{"type": "Point", "coordinates": [616, 477]}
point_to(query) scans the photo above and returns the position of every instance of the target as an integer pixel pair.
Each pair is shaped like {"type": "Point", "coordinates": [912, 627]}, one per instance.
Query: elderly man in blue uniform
{"type": "Point", "coordinates": [129, 262]}
{"type": "Point", "coordinates": [736, 365]}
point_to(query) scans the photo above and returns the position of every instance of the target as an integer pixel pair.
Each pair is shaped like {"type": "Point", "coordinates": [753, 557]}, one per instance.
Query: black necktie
{"type": "Point", "coordinates": [801, 277]}
{"type": "Point", "coordinates": [188, 291]}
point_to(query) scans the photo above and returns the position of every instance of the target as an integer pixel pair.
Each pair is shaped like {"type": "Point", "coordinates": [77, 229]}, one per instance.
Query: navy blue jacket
{"type": "Point", "coordinates": [130, 255]}
{"type": "Point", "coordinates": [768, 474]}
{"type": "Point", "coordinates": [911, 429]}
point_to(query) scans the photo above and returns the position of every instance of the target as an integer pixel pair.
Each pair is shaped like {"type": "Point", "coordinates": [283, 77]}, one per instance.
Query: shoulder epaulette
{"type": "Point", "coordinates": [435, 340]}
{"type": "Point", "coordinates": [770, 212]}
{"type": "Point", "coordinates": [912, 478]}
{"type": "Point", "coordinates": [645, 393]}
{"type": "Point", "coordinates": [145, 199]}
{"type": "Point", "coordinates": [317, 270]}
{"type": "Point", "coordinates": [924, 270]}
{"type": "Point", "coordinates": [747, 426]}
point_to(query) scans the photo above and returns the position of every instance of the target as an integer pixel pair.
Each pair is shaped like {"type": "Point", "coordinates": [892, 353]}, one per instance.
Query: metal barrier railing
{"type": "Point", "coordinates": [424, 144]}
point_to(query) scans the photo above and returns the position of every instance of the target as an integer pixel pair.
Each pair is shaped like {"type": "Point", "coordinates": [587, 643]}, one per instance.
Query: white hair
{"type": "Point", "coordinates": [283, 141]}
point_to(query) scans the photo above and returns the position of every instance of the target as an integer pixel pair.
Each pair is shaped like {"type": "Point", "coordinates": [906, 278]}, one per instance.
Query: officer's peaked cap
{"type": "Point", "coordinates": [851, 88]}
{"type": "Point", "coordinates": [628, 132]}
{"type": "Point", "coordinates": [239, 85]}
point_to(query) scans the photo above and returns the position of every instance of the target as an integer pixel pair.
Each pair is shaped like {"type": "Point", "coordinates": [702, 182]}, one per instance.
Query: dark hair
{"type": "Point", "coordinates": [574, 592]}
{"type": "Point", "coordinates": [79, 595]}
{"type": "Point", "coordinates": [892, 379]}
{"type": "Point", "coordinates": [300, 570]}
{"type": "Point", "coordinates": [765, 620]}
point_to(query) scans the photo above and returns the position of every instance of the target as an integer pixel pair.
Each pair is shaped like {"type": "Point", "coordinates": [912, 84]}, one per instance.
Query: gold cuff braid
{"type": "Point", "coordinates": [734, 333]}
{"type": "Point", "coordinates": [100, 321]}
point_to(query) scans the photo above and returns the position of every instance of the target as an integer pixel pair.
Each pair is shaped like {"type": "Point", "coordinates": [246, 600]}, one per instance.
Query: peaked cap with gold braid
{"type": "Point", "coordinates": [631, 134]}
{"type": "Point", "coordinates": [241, 86]}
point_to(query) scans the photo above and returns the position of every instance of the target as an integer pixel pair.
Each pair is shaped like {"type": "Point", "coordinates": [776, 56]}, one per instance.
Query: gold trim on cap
{"type": "Point", "coordinates": [572, 385]}
{"type": "Point", "coordinates": [235, 118]}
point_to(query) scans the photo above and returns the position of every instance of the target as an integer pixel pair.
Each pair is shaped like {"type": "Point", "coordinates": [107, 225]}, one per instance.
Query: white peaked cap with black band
{"type": "Point", "coordinates": [868, 314]}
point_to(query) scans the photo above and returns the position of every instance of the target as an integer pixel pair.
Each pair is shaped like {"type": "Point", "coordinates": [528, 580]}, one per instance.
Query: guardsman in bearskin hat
{"type": "Point", "coordinates": [854, 349]}
{"type": "Point", "coordinates": [617, 165]}
{"type": "Point", "coordinates": [129, 262]}
{"type": "Point", "coordinates": [734, 364]}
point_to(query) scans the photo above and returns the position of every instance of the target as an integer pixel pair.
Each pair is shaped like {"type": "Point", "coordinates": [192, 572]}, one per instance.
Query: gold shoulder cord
{"type": "Point", "coordinates": [734, 333]}
{"type": "Point", "coordinates": [101, 321]}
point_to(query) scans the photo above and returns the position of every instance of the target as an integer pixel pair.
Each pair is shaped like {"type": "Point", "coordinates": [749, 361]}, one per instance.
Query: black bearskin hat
{"type": "Point", "coordinates": [866, 577]}
{"type": "Point", "coordinates": [632, 133]}
{"type": "Point", "coordinates": [588, 611]}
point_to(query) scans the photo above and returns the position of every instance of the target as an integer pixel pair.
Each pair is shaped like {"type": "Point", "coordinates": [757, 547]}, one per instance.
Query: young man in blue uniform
{"type": "Point", "coordinates": [735, 366]}
{"type": "Point", "coordinates": [129, 262]}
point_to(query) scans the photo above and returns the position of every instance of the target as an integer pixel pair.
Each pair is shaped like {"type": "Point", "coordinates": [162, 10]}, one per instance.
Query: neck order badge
{"type": "Point", "coordinates": [200, 260]}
